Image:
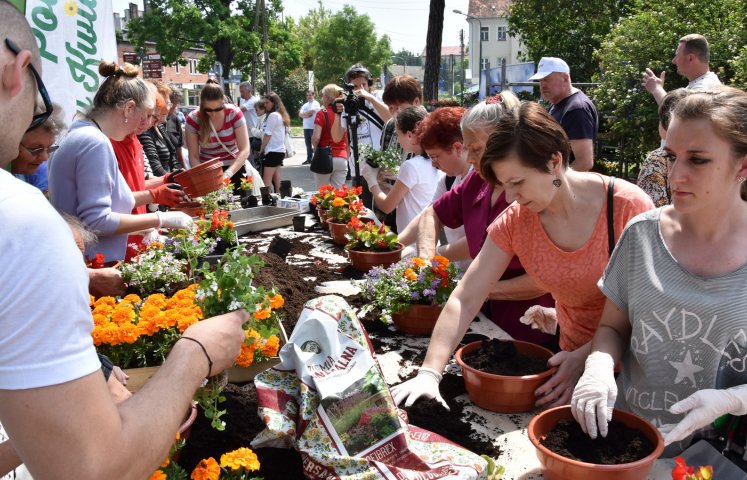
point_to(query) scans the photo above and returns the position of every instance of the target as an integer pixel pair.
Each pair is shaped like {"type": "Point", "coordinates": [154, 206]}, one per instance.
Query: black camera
{"type": "Point", "coordinates": [352, 102]}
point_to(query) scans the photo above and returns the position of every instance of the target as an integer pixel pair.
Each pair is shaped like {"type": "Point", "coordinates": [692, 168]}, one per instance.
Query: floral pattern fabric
{"type": "Point", "coordinates": [653, 177]}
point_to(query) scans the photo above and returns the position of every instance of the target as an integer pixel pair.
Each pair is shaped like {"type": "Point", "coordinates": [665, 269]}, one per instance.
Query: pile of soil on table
{"type": "Point", "coordinates": [502, 358]}
{"type": "Point", "coordinates": [621, 445]}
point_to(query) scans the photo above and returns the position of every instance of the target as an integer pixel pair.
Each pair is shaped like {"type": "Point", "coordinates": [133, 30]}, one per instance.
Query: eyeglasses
{"type": "Point", "coordinates": [39, 150]}
{"type": "Point", "coordinates": [41, 117]}
{"type": "Point", "coordinates": [213, 110]}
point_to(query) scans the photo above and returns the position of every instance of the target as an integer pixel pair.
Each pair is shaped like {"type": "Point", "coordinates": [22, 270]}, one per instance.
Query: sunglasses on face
{"type": "Point", "coordinates": [39, 150]}
{"type": "Point", "coordinates": [41, 117]}
{"type": "Point", "coordinates": [213, 110]}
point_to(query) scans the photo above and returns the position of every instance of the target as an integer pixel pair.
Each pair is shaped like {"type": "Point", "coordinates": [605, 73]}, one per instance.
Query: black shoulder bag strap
{"type": "Point", "coordinates": [611, 214]}
{"type": "Point", "coordinates": [326, 121]}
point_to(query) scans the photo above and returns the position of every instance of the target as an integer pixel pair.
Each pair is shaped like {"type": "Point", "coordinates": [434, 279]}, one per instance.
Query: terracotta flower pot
{"type": "Point", "coordinates": [364, 261]}
{"type": "Point", "coordinates": [193, 209]}
{"type": "Point", "coordinates": [202, 179]}
{"type": "Point", "coordinates": [338, 231]}
{"type": "Point", "coordinates": [557, 467]}
{"type": "Point", "coordinates": [418, 319]}
{"type": "Point", "coordinates": [503, 393]}
{"type": "Point", "coordinates": [323, 216]}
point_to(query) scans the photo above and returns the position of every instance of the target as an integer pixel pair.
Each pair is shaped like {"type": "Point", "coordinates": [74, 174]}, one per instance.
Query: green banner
{"type": "Point", "coordinates": [19, 4]}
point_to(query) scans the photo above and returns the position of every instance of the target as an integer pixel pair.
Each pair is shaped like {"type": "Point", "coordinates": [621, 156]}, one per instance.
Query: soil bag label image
{"type": "Point", "coordinates": [328, 399]}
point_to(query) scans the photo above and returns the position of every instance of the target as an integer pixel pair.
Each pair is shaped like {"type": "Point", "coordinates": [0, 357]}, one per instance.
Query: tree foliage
{"type": "Point", "coordinates": [648, 37]}
{"type": "Point", "coordinates": [343, 39]}
{"type": "Point", "coordinates": [412, 58]}
{"type": "Point", "coordinates": [568, 29]}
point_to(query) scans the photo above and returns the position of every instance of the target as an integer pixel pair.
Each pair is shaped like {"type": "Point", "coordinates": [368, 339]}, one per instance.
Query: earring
{"type": "Point", "coordinates": [740, 179]}
{"type": "Point", "coordinates": [126, 119]}
{"type": "Point", "coordinates": [556, 182]}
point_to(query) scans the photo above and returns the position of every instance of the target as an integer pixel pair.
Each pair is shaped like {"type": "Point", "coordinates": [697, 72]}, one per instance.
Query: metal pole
{"type": "Point", "coordinates": [268, 86]}
{"type": "Point", "coordinates": [461, 60]}
{"type": "Point", "coordinates": [451, 59]}
{"type": "Point", "coordinates": [481, 64]}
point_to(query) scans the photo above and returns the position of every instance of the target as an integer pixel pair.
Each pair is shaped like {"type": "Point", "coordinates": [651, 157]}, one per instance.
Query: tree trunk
{"type": "Point", "coordinates": [224, 55]}
{"type": "Point", "coordinates": [433, 50]}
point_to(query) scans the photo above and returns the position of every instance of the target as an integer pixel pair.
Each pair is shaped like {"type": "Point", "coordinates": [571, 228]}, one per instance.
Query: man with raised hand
{"type": "Point", "coordinates": [54, 403]}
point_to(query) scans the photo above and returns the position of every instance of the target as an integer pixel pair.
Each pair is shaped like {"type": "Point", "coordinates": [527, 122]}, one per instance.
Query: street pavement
{"type": "Point", "coordinates": [294, 170]}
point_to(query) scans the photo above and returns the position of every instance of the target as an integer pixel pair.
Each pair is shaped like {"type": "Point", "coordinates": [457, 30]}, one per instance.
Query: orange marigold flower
{"type": "Point", "coordinates": [110, 301]}
{"type": "Point", "coordinates": [132, 298]}
{"type": "Point", "coordinates": [440, 262]}
{"type": "Point", "coordinates": [418, 262]}
{"type": "Point", "coordinates": [207, 469]}
{"type": "Point", "coordinates": [339, 202]}
{"type": "Point", "coordinates": [262, 314]}
{"type": "Point", "coordinates": [240, 458]}
{"type": "Point", "coordinates": [158, 475]}
{"type": "Point", "coordinates": [166, 462]}
{"type": "Point", "coordinates": [409, 274]}
{"type": "Point", "coordinates": [277, 301]}
{"type": "Point", "coordinates": [271, 346]}
{"type": "Point", "coordinates": [91, 300]}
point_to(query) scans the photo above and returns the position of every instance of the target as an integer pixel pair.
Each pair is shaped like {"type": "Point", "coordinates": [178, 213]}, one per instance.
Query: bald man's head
{"type": "Point", "coordinates": [18, 89]}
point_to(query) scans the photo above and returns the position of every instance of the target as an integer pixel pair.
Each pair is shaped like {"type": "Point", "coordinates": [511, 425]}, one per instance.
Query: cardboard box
{"type": "Point", "coordinates": [300, 204]}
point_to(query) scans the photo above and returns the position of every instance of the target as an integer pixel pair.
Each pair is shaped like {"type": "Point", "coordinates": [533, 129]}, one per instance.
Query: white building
{"type": "Point", "coordinates": [489, 41]}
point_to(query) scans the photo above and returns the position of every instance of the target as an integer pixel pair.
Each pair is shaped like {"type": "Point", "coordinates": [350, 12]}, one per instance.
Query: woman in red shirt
{"type": "Point", "coordinates": [324, 122]}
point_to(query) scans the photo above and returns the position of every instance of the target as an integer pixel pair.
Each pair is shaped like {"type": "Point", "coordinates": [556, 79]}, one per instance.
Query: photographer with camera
{"type": "Point", "coordinates": [370, 115]}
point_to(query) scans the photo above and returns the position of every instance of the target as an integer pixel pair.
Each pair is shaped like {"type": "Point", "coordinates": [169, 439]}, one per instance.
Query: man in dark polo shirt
{"type": "Point", "coordinates": [571, 108]}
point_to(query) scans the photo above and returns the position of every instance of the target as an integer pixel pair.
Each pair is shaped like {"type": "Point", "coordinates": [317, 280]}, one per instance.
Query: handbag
{"type": "Point", "coordinates": [289, 152]}
{"type": "Point", "coordinates": [321, 162]}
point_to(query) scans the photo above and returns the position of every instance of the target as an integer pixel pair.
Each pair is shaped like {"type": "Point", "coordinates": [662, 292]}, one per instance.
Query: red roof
{"type": "Point", "coordinates": [446, 51]}
{"type": "Point", "coordinates": [488, 8]}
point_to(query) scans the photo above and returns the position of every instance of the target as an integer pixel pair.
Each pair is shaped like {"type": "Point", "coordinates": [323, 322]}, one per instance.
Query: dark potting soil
{"type": "Point", "coordinates": [242, 421]}
{"type": "Point", "coordinates": [621, 445]}
{"type": "Point", "coordinates": [502, 358]}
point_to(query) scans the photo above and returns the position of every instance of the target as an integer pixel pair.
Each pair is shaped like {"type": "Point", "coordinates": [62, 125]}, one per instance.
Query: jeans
{"type": "Point", "coordinates": [307, 133]}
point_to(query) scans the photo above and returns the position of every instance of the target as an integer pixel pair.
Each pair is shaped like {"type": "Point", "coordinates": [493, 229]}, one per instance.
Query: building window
{"type": "Point", "coordinates": [484, 34]}
{"type": "Point", "coordinates": [177, 67]}
{"type": "Point", "coordinates": [499, 61]}
{"type": "Point", "coordinates": [502, 33]}
{"type": "Point", "coordinates": [193, 66]}
{"type": "Point", "coordinates": [484, 64]}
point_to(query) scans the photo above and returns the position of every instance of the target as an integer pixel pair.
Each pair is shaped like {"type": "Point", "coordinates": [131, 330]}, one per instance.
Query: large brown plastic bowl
{"type": "Point", "coordinates": [503, 393]}
{"type": "Point", "coordinates": [557, 467]}
{"type": "Point", "coordinates": [202, 179]}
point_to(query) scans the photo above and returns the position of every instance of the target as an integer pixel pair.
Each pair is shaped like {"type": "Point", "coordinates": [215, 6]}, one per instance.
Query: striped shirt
{"type": "Point", "coordinates": [689, 332]}
{"type": "Point", "coordinates": [213, 148]}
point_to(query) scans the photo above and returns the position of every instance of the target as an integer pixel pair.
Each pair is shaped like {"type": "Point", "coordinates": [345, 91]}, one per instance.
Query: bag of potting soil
{"type": "Point", "coordinates": [328, 400]}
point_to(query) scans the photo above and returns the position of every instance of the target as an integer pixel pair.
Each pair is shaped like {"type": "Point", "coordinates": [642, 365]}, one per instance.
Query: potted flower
{"type": "Point", "coordinates": [190, 246]}
{"type": "Point", "coordinates": [557, 438]}
{"type": "Point", "coordinates": [322, 201]}
{"type": "Point", "coordinates": [412, 291]}
{"type": "Point", "coordinates": [220, 199]}
{"type": "Point", "coordinates": [502, 376]}
{"type": "Point", "coordinates": [235, 465]}
{"type": "Point", "coordinates": [389, 159]}
{"type": "Point", "coordinates": [249, 200]}
{"type": "Point", "coordinates": [229, 287]}
{"type": "Point", "coordinates": [218, 228]}
{"type": "Point", "coordinates": [154, 269]}
{"type": "Point", "coordinates": [338, 216]}
{"type": "Point", "coordinates": [99, 261]}
{"type": "Point", "coordinates": [370, 245]}
{"type": "Point", "coordinates": [682, 471]}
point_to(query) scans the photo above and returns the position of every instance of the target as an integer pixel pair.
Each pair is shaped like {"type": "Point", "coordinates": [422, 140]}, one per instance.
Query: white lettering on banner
{"type": "Point", "coordinates": [44, 19]}
{"type": "Point", "coordinates": [382, 452]}
{"type": "Point", "coordinates": [330, 365]}
{"type": "Point", "coordinates": [73, 38]}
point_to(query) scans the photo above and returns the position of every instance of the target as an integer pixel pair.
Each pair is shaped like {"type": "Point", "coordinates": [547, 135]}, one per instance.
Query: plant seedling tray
{"type": "Point", "coordinates": [258, 219]}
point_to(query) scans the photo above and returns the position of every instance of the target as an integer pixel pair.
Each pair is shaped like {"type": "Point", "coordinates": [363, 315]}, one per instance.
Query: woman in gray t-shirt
{"type": "Point", "coordinates": [677, 288]}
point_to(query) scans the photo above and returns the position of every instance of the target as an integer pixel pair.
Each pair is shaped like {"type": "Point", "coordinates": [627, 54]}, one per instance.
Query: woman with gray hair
{"type": "Point", "coordinates": [473, 204]}
{"type": "Point", "coordinates": [84, 177]}
{"type": "Point", "coordinates": [35, 148]}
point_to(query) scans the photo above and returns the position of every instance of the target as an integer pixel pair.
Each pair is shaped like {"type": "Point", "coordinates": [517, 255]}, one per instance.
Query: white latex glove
{"type": "Point", "coordinates": [595, 394]}
{"type": "Point", "coordinates": [369, 173]}
{"type": "Point", "coordinates": [174, 220]}
{"type": "Point", "coordinates": [425, 384]}
{"type": "Point", "coordinates": [541, 318]}
{"type": "Point", "coordinates": [703, 407]}
{"type": "Point", "coordinates": [228, 173]}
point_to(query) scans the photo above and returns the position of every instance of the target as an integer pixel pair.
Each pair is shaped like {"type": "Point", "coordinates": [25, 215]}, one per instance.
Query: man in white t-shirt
{"type": "Point", "coordinates": [692, 59]}
{"type": "Point", "coordinates": [308, 113]}
{"type": "Point", "coordinates": [74, 429]}
{"type": "Point", "coordinates": [247, 99]}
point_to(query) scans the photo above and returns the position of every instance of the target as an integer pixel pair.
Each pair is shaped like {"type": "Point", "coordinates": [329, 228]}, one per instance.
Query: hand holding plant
{"type": "Point", "coordinates": [388, 159]}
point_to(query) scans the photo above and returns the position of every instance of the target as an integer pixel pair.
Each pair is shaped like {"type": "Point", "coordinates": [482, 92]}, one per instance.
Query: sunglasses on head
{"type": "Point", "coordinates": [213, 110]}
{"type": "Point", "coordinates": [41, 117]}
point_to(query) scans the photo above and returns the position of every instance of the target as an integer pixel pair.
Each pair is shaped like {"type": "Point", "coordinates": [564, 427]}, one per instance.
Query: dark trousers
{"type": "Point", "coordinates": [307, 133]}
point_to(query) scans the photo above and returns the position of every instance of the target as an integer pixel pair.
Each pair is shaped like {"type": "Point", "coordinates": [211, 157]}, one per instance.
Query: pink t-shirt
{"type": "Point", "coordinates": [571, 277]}
{"type": "Point", "coordinates": [213, 148]}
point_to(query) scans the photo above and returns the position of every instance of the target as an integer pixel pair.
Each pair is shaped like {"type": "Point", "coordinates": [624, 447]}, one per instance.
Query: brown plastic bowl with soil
{"type": "Point", "coordinates": [502, 376]}
{"type": "Point", "coordinates": [627, 453]}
